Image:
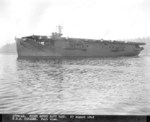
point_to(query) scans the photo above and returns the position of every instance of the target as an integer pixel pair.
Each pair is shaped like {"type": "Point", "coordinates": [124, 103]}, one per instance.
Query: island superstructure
{"type": "Point", "coordinates": [58, 46]}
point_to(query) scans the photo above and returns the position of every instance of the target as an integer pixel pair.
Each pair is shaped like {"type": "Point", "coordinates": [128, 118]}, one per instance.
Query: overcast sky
{"type": "Point", "coordinates": [107, 19]}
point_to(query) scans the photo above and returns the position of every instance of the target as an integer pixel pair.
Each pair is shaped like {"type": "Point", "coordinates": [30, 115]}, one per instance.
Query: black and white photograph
{"type": "Point", "coordinates": [75, 57]}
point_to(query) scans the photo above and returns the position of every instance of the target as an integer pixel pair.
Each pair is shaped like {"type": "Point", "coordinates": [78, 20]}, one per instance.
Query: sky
{"type": "Point", "coordinates": [107, 19]}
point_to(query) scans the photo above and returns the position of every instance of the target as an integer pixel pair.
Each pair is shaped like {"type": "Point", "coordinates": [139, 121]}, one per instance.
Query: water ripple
{"type": "Point", "coordinates": [75, 86]}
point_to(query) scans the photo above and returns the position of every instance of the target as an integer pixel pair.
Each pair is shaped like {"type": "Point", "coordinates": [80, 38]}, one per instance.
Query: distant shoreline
{"type": "Point", "coordinates": [8, 53]}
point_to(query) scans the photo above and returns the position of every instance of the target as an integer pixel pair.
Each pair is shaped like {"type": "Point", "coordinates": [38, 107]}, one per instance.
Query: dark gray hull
{"type": "Point", "coordinates": [76, 48]}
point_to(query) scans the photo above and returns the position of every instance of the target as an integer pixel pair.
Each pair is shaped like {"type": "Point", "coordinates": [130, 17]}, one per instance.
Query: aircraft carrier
{"type": "Point", "coordinates": [58, 46]}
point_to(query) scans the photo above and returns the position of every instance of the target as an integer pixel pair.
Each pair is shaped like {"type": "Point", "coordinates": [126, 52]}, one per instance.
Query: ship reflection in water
{"type": "Point", "coordinates": [75, 86]}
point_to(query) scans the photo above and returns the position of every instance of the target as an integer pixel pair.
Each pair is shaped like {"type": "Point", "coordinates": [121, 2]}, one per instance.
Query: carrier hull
{"type": "Point", "coordinates": [63, 47]}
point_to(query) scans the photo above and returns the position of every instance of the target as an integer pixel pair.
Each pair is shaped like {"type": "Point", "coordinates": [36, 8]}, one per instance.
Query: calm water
{"type": "Point", "coordinates": [75, 86]}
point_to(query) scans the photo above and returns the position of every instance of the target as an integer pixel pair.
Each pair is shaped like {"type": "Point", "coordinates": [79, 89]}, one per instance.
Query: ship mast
{"type": "Point", "coordinates": [59, 29]}
{"type": "Point", "coordinates": [57, 34]}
